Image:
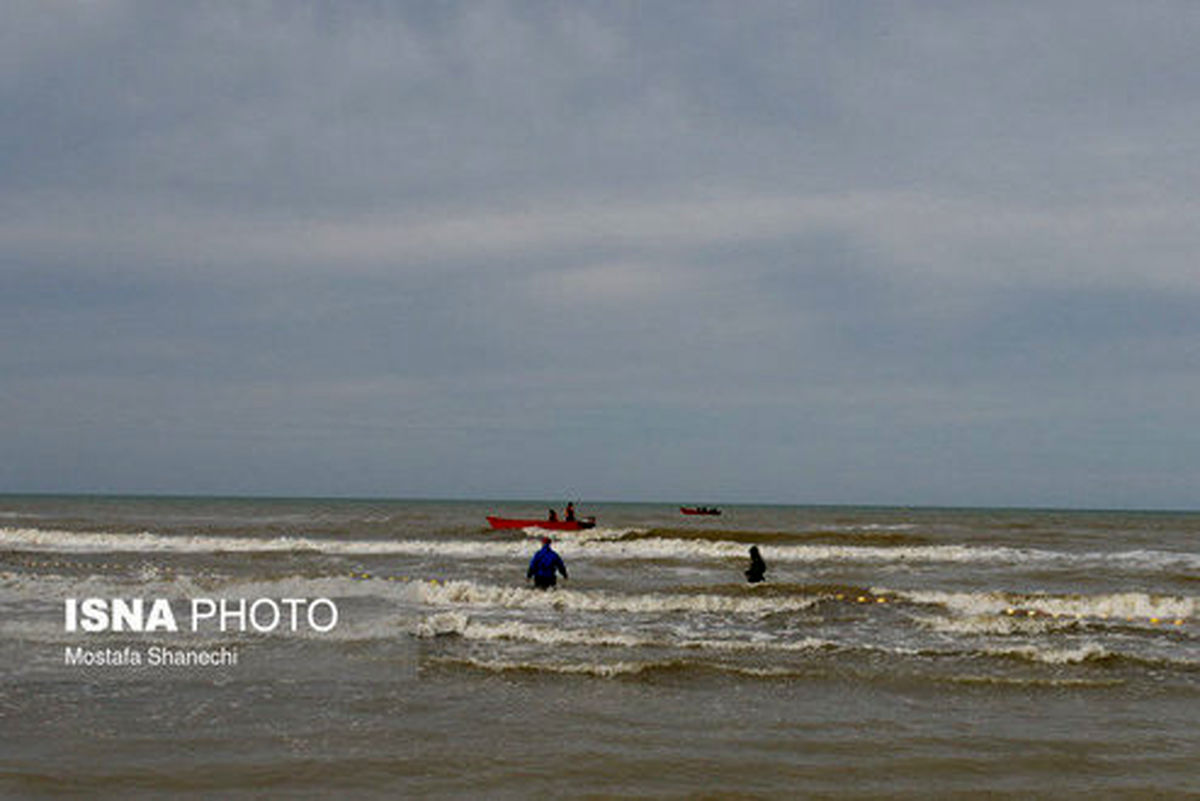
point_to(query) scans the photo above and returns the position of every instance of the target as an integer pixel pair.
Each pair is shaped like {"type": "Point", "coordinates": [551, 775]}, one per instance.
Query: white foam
{"type": "Point", "coordinates": [1086, 652]}
{"type": "Point", "coordinates": [859, 527]}
{"type": "Point", "coordinates": [1125, 605]}
{"type": "Point", "coordinates": [147, 542]}
{"type": "Point", "coordinates": [600, 545]}
{"type": "Point", "coordinates": [608, 670]}
{"type": "Point", "coordinates": [441, 624]}
{"type": "Point", "coordinates": [1003, 625]}
{"type": "Point", "coordinates": [597, 534]}
{"type": "Point", "coordinates": [600, 670]}
{"type": "Point", "coordinates": [163, 584]}
{"type": "Point", "coordinates": [511, 630]}
{"type": "Point", "coordinates": [469, 593]}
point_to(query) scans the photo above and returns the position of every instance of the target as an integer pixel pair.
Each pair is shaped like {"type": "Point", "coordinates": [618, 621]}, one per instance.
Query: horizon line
{"type": "Point", "coordinates": [600, 501]}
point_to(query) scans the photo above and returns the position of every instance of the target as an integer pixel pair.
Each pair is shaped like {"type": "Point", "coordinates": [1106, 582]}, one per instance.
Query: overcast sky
{"type": "Point", "coordinates": [806, 252]}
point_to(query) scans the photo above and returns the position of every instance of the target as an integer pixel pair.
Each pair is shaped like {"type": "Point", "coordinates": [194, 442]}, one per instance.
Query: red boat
{"type": "Point", "coordinates": [552, 525]}
{"type": "Point", "coordinates": [699, 510]}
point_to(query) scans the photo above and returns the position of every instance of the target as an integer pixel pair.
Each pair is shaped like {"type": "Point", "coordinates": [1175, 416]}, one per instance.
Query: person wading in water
{"type": "Point", "coordinates": [543, 566]}
{"type": "Point", "coordinates": [755, 573]}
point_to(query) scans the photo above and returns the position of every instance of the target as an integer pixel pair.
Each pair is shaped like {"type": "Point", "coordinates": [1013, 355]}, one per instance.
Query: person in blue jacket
{"type": "Point", "coordinates": [543, 566]}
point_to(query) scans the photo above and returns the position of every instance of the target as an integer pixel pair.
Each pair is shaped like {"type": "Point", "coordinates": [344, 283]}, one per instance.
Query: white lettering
{"type": "Point", "coordinates": [95, 614]}
{"type": "Point", "coordinates": [209, 607]}
{"type": "Point", "coordinates": [239, 614]}
{"type": "Point", "coordinates": [293, 605]}
{"type": "Point", "coordinates": [161, 618]}
{"type": "Point", "coordinates": [126, 615]}
{"type": "Point", "coordinates": [274, 607]}
{"type": "Point", "coordinates": [312, 617]}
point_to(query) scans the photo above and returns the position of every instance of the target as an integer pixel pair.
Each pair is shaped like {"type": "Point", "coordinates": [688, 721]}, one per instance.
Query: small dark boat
{"type": "Point", "coordinates": [700, 510]}
{"type": "Point", "coordinates": [552, 525]}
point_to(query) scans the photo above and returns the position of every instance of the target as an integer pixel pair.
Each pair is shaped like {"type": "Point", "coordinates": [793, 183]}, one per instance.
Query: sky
{"type": "Point", "coordinates": [926, 253]}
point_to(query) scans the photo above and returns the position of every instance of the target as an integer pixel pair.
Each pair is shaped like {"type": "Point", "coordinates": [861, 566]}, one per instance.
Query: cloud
{"type": "Point", "coordinates": [826, 241]}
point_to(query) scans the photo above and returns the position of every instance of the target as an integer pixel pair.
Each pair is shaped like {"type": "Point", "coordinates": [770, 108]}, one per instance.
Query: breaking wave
{"type": "Point", "coordinates": [459, 624]}
{"type": "Point", "coordinates": [1124, 605]}
{"type": "Point", "coordinates": [611, 670]}
{"type": "Point", "coordinates": [605, 545]}
{"type": "Point", "coordinates": [469, 593]}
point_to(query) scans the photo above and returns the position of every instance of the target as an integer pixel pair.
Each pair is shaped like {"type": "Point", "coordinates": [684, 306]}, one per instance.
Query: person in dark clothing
{"type": "Point", "coordinates": [570, 511]}
{"type": "Point", "coordinates": [553, 515]}
{"type": "Point", "coordinates": [544, 565]}
{"type": "Point", "coordinates": [758, 567]}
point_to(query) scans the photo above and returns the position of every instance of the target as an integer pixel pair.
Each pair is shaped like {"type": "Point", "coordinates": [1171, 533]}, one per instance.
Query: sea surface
{"type": "Point", "coordinates": [892, 653]}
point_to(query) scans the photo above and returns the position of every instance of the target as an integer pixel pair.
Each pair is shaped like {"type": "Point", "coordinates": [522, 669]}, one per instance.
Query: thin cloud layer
{"type": "Point", "coordinates": [908, 253]}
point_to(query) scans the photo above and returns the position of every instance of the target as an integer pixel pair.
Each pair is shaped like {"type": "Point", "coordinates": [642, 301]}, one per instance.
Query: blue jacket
{"type": "Point", "coordinates": [544, 563]}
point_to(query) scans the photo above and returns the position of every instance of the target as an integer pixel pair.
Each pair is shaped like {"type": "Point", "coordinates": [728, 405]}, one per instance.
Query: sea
{"type": "Point", "coordinates": [393, 649]}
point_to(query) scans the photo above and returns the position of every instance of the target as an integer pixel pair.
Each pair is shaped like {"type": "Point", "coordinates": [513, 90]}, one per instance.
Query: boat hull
{"type": "Point", "coordinates": [691, 510]}
{"type": "Point", "coordinates": [550, 525]}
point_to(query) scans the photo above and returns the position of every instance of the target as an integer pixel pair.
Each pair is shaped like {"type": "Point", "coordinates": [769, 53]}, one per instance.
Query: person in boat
{"type": "Point", "coordinates": [552, 516]}
{"type": "Point", "coordinates": [544, 566]}
{"type": "Point", "coordinates": [570, 511]}
{"type": "Point", "coordinates": [758, 568]}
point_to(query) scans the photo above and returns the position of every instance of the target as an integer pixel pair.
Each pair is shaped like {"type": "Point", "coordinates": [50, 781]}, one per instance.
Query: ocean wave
{"type": "Point", "coordinates": [1033, 681]}
{"type": "Point", "coordinates": [45, 540]}
{"type": "Point", "coordinates": [829, 535]}
{"type": "Point", "coordinates": [459, 624]}
{"type": "Point", "coordinates": [1089, 653]}
{"type": "Point", "coordinates": [469, 593]}
{"type": "Point", "coordinates": [606, 670]}
{"type": "Point", "coordinates": [769, 657]}
{"type": "Point", "coordinates": [26, 587]}
{"type": "Point", "coordinates": [1050, 655]}
{"type": "Point", "coordinates": [610, 670]}
{"type": "Point", "coordinates": [607, 545]}
{"type": "Point", "coordinates": [597, 534]}
{"type": "Point", "coordinates": [999, 625]}
{"type": "Point", "coordinates": [1129, 606]}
